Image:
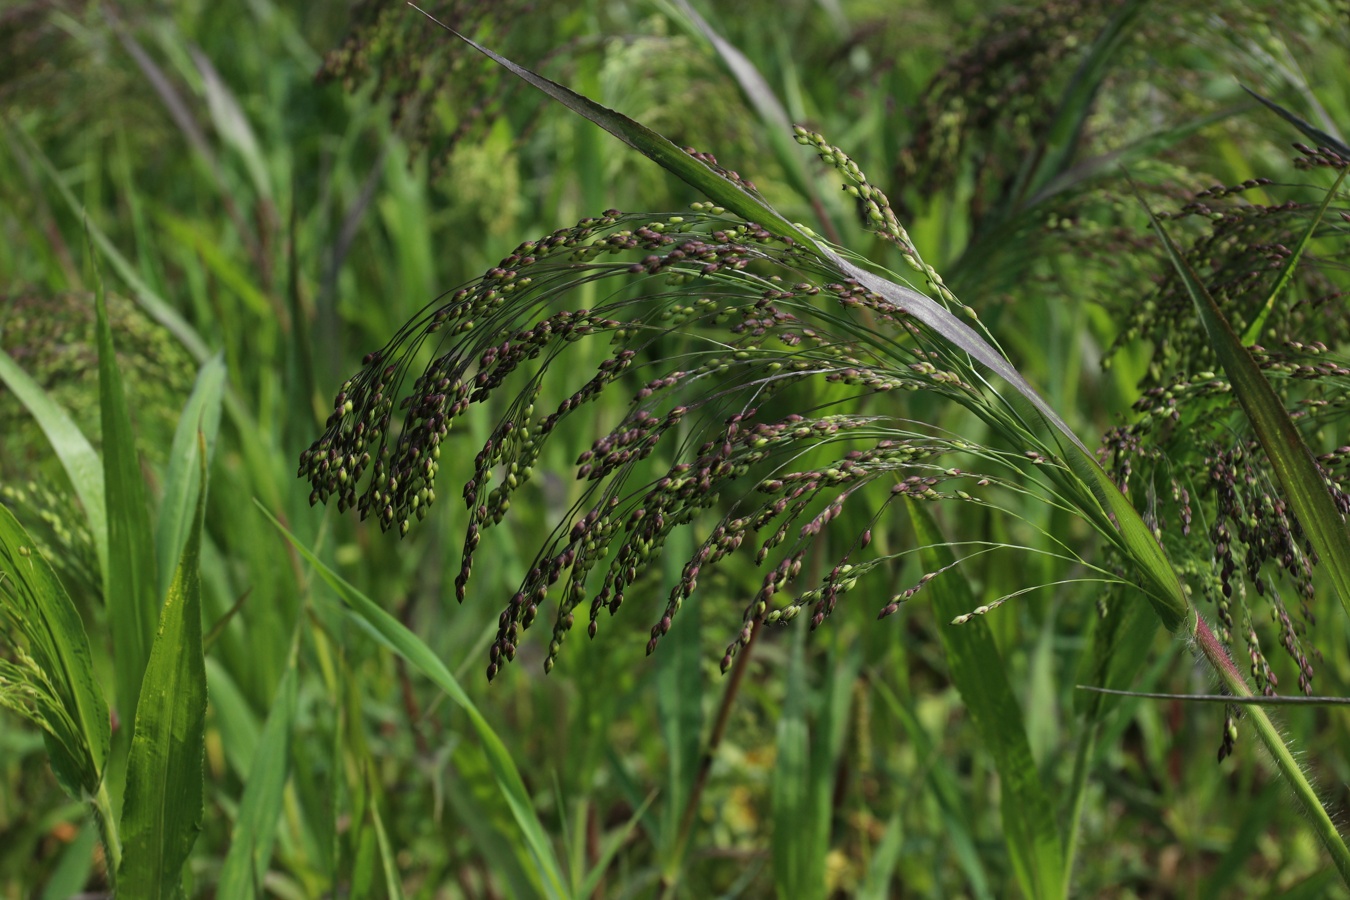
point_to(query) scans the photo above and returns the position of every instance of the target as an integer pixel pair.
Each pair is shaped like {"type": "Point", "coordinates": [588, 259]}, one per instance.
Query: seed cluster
{"type": "Point", "coordinates": [1240, 253]}
{"type": "Point", "coordinates": [1182, 439]}
{"type": "Point", "coordinates": [702, 422]}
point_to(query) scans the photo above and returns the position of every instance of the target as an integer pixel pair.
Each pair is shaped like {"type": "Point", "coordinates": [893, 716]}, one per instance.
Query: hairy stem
{"type": "Point", "coordinates": [1233, 679]}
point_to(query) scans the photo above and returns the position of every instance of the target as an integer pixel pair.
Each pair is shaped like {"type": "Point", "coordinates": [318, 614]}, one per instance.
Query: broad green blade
{"type": "Point", "coordinates": [162, 810]}
{"type": "Point", "coordinates": [33, 603]}
{"type": "Point", "coordinates": [1293, 463]}
{"type": "Point", "coordinates": [393, 635]}
{"type": "Point", "coordinates": [1162, 585]}
{"type": "Point", "coordinates": [255, 829]}
{"type": "Point", "coordinates": [977, 670]}
{"type": "Point", "coordinates": [1253, 332]}
{"type": "Point", "coordinates": [130, 584]}
{"type": "Point", "coordinates": [1165, 588]}
{"type": "Point", "coordinates": [183, 479]}
{"type": "Point", "coordinates": [78, 457]}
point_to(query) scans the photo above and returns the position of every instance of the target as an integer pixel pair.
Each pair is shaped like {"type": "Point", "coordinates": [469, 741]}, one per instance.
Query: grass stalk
{"type": "Point", "coordinates": [1214, 653]}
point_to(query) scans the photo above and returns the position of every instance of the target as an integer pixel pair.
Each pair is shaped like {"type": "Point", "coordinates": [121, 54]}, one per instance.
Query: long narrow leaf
{"type": "Point", "coordinates": [1293, 463]}
{"type": "Point", "coordinates": [255, 829]}
{"type": "Point", "coordinates": [182, 481]}
{"type": "Point", "coordinates": [76, 729]}
{"type": "Point", "coordinates": [1307, 128]}
{"type": "Point", "coordinates": [162, 812]}
{"type": "Point", "coordinates": [130, 595]}
{"type": "Point", "coordinates": [976, 666]}
{"type": "Point", "coordinates": [797, 872]}
{"type": "Point", "coordinates": [390, 632]}
{"type": "Point", "coordinates": [1253, 332]}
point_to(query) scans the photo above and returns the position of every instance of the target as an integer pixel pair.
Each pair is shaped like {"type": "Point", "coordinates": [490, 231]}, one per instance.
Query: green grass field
{"type": "Point", "coordinates": [884, 469]}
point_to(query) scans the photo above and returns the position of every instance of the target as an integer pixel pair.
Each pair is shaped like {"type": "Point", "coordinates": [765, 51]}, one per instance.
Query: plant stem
{"type": "Point", "coordinates": [668, 879]}
{"type": "Point", "coordinates": [1233, 679]}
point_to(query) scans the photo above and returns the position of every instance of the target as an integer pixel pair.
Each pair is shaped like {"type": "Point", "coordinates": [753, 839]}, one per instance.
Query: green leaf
{"type": "Point", "coordinates": [679, 706]}
{"type": "Point", "coordinates": [78, 457]}
{"type": "Point", "coordinates": [393, 635]}
{"type": "Point", "coordinates": [884, 860]}
{"type": "Point", "coordinates": [1061, 140]}
{"type": "Point", "coordinates": [776, 126]}
{"type": "Point", "coordinates": [979, 674]}
{"type": "Point", "coordinates": [1119, 649]}
{"type": "Point", "coordinates": [610, 849]}
{"type": "Point", "coordinates": [796, 871]}
{"type": "Point", "coordinates": [162, 811]}
{"type": "Point", "coordinates": [805, 768]}
{"type": "Point", "coordinates": [71, 711]}
{"type": "Point", "coordinates": [129, 581]}
{"type": "Point", "coordinates": [393, 887]}
{"type": "Point", "coordinates": [183, 479]}
{"type": "Point", "coordinates": [72, 871]}
{"type": "Point", "coordinates": [255, 829]}
{"type": "Point", "coordinates": [1310, 131]}
{"type": "Point", "coordinates": [1295, 468]}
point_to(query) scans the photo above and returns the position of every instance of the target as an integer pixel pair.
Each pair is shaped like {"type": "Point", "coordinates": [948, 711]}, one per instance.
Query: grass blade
{"type": "Point", "coordinates": [255, 829]}
{"type": "Point", "coordinates": [777, 127]}
{"type": "Point", "coordinates": [392, 634]}
{"type": "Point", "coordinates": [1292, 461]}
{"type": "Point", "coordinates": [162, 812]}
{"type": "Point", "coordinates": [130, 595]}
{"type": "Point", "coordinates": [796, 871]}
{"type": "Point", "coordinates": [884, 860]}
{"type": "Point", "coordinates": [613, 844]}
{"type": "Point", "coordinates": [679, 705]}
{"type": "Point", "coordinates": [1075, 107]}
{"type": "Point", "coordinates": [1253, 332]}
{"type": "Point", "coordinates": [67, 705]}
{"type": "Point", "coordinates": [976, 667]}
{"type": "Point", "coordinates": [1309, 130]}
{"type": "Point", "coordinates": [183, 478]}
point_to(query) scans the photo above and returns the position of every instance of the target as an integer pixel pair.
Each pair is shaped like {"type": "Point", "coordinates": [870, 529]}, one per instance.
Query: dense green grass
{"type": "Point", "coordinates": [259, 232]}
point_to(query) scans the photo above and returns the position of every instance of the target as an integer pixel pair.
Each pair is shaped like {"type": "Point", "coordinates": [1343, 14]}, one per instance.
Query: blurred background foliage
{"type": "Point", "coordinates": [286, 184]}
